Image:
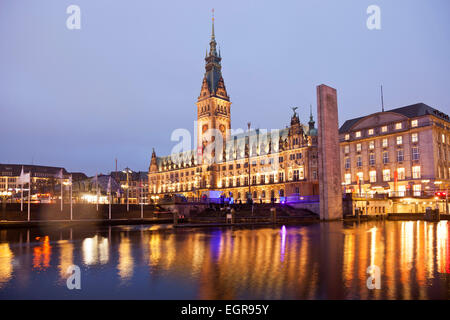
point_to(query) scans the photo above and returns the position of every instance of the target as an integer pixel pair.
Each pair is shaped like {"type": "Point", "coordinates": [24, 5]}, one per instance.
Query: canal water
{"type": "Point", "coordinates": [315, 261]}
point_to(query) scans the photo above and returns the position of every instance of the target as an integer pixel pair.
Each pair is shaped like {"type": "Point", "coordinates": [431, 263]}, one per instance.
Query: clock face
{"type": "Point", "coordinates": [204, 128]}
{"type": "Point", "coordinates": [222, 128]}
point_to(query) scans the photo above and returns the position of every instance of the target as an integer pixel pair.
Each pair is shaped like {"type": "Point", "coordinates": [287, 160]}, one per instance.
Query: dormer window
{"type": "Point", "coordinates": [358, 134]}
{"type": "Point", "coordinates": [347, 137]}
{"type": "Point", "coordinates": [384, 129]}
{"type": "Point", "coordinates": [370, 132]}
{"type": "Point", "coordinates": [414, 123]}
{"type": "Point", "coordinates": [398, 126]}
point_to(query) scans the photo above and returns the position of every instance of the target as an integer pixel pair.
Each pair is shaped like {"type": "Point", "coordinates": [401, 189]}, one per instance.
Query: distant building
{"type": "Point", "coordinates": [136, 182]}
{"type": "Point", "coordinates": [44, 178]}
{"type": "Point", "coordinates": [403, 152]}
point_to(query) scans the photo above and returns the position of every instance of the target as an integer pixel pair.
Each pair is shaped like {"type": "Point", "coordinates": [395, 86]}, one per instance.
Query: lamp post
{"type": "Point", "coordinates": [127, 171]}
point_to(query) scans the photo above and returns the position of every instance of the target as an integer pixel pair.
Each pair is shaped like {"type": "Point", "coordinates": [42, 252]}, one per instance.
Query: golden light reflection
{"type": "Point", "coordinates": [6, 263]}
{"type": "Point", "coordinates": [303, 262]}
{"type": "Point", "coordinates": [42, 254]}
{"type": "Point", "coordinates": [95, 250]}
{"type": "Point", "coordinates": [126, 262]}
{"type": "Point", "coordinates": [442, 247]}
{"type": "Point", "coordinates": [65, 258]}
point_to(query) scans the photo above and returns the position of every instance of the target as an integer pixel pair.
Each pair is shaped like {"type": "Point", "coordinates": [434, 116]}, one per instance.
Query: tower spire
{"type": "Point", "coordinates": [311, 119]}
{"type": "Point", "coordinates": [213, 80]}
{"type": "Point", "coordinates": [212, 43]}
{"type": "Point", "coordinates": [213, 37]}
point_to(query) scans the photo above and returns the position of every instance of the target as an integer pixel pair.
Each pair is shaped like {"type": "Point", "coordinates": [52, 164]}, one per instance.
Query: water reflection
{"type": "Point", "coordinates": [318, 261]}
{"type": "Point", "coordinates": [42, 254]}
{"type": "Point", "coordinates": [6, 263]}
{"type": "Point", "coordinates": [125, 265]}
{"type": "Point", "coordinates": [95, 250]}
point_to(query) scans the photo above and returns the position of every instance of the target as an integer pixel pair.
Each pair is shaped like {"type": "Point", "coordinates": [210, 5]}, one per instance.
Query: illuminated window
{"type": "Point", "coordinates": [443, 138]}
{"type": "Point", "coordinates": [358, 147]}
{"type": "Point", "coordinates": [399, 140]}
{"type": "Point", "coordinates": [398, 125]}
{"type": "Point", "coordinates": [373, 176]}
{"type": "Point", "coordinates": [358, 134]}
{"type": "Point", "coordinates": [384, 129]}
{"type": "Point", "coordinates": [386, 175]}
{"type": "Point", "coordinates": [360, 176]}
{"type": "Point", "coordinates": [385, 143]}
{"type": "Point", "coordinates": [372, 145]}
{"type": "Point", "coordinates": [370, 132]}
{"type": "Point", "coordinates": [347, 137]}
{"type": "Point", "coordinates": [301, 173]}
{"type": "Point", "coordinates": [348, 178]}
{"type": "Point", "coordinates": [414, 123]}
{"type": "Point", "coordinates": [417, 189]}
{"type": "Point", "coordinates": [347, 149]}
{"type": "Point", "coordinates": [416, 172]}
{"type": "Point", "coordinates": [414, 137]}
{"type": "Point", "coordinates": [401, 173]}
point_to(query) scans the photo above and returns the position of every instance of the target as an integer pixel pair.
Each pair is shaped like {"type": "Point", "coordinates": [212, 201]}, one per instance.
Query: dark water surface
{"type": "Point", "coordinates": [317, 261]}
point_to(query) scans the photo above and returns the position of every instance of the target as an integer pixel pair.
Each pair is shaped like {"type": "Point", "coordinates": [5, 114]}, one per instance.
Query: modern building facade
{"type": "Point", "coordinates": [402, 152]}
{"type": "Point", "coordinates": [257, 164]}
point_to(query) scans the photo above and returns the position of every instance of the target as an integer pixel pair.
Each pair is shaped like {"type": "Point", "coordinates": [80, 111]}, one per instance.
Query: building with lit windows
{"type": "Point", "coordinates": [44, 179]}
{"type": "Point", "coordinates": [257, 164]}
{"type": "Point", "coordinates": [402, 152]}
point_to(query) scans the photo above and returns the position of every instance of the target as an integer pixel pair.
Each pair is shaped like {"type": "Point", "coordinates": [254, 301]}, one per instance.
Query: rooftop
{"type": "Point", "coordinates": [411, 111]}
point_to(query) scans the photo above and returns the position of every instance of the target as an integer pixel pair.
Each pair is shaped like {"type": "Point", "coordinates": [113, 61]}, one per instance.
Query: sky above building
{"type": "Point", "coordinates": [131, 75]}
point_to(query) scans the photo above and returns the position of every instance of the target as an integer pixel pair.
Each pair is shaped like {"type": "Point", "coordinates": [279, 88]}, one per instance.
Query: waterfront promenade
{"type": "Point", "coordinates": [181, 215]}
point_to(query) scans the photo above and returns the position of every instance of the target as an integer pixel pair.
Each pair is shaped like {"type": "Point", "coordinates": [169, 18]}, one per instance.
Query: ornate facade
{"type": "Point", "coordinates": [257, 164]}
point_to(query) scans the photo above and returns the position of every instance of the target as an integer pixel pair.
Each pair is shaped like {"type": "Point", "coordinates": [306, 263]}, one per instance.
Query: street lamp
{"type": "Point", "coordinates": [127, 171]}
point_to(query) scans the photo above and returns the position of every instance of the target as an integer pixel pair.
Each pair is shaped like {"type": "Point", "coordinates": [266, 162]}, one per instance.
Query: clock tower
{"type": "Point", "coordinates": [213, 104]}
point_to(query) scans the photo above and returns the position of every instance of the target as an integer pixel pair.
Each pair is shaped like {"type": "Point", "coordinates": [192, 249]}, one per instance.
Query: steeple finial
{"type": "Point", "coordinates": [212, 43]}
{"type": "Point", "coordinates": [212, 34]}
{"type": "Point", "coordinates": [310, 113]}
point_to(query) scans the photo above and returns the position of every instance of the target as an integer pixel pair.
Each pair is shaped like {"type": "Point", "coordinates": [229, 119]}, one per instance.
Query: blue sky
{"type": "Point", "coordinates": [132, 74]}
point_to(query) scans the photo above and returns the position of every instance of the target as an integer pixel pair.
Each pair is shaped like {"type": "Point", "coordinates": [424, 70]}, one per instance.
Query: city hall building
{"type": "Point", "coordinates": [403, 152]}
{"type": "Point", "coordinates": [257, 164]}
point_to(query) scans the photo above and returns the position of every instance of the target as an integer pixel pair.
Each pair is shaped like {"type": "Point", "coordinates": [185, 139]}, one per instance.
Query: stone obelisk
{"type": "Point", "coordinates": [330, 189]}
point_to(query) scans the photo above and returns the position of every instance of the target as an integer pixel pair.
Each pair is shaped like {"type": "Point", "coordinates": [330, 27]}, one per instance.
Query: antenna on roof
{"type": "Point", "coordinates": [382, 99]}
